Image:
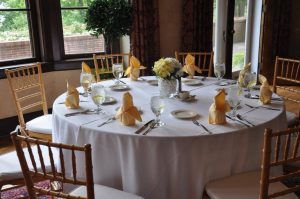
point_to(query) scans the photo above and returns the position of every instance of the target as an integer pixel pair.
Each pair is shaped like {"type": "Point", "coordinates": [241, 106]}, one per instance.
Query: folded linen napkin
{"type": "Point", "coordinates": [85, 68]}
{"type": "Point", "coordinates": [128, 113]}
{"type": "Point", "coordinates": [246, 69]}
{"type": "Point", "coordinates": [134, 68]}
{"type": "Point", "coordinates": [265, 91]}
{"type": "Point", "coordinates": [218, 109]}
{"type": "Point", "coordinates": [190, 66]}
{"type": "Point", "coordinates": [72, 99]}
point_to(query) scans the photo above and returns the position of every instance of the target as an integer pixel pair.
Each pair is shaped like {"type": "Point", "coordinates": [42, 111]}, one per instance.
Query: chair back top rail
{"type": "Point", "coordinates": [53, 173]}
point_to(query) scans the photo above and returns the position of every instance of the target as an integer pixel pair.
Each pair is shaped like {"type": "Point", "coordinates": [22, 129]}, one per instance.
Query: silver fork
{"type": "Point", "coordinates": [107, 121]}
{"type": "Point", "coordinates": [77, 113]}
{"type": "Point", "coordinates": [199, 124]}
{"type": "Point", "coordinates": [243, 119]}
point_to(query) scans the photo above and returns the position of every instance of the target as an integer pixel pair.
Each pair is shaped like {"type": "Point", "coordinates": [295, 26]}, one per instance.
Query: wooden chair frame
{"type": "Point", "coordinates": [284, 152]}
{"type": "Point", "coordinates": [106, 61]}
{"type": "Point", "coordinates": [287, 70]}
{"type": "Point", "coordinates": [204, 60]}
{"type": "Point", "coordinates": [54, 175]}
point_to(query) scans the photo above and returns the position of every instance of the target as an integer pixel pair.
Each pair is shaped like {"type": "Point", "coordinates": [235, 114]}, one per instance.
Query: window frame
{"type": "Point", "coordinates": [33, 35]}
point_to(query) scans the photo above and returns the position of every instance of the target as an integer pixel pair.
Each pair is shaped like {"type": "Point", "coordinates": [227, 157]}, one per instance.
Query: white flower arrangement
{"type": "Point", "coordinates": [168, 68]}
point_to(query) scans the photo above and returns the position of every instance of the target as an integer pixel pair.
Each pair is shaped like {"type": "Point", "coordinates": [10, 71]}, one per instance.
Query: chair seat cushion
{"type": "Point", "coordinates": [242, 186]}
{"type": "Point", "coordinates": [42, 124]}
{"type": "Point", "coordinates": [104, 192]}
{"type": "Point", "coordinates": [291, 118]}
{"type": "Point", "coordinates": [10, 168]}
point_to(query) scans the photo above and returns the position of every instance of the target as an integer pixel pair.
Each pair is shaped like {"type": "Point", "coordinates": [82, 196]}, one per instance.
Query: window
{"type": "Point", "coordinates": [15, 32]}
{"type": "Point", "coordinates": [77, 39]}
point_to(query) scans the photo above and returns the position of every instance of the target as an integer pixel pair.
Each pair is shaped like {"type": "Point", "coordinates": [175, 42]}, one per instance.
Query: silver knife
{"type": "Point", "coordinates": [143, 127]}
{"type": "Point", "coordinates": [150, 128]}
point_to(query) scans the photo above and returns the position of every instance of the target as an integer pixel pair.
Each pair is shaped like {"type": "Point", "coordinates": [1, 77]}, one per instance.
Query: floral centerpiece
{"type": "Point", "coordinates": [168, 70]}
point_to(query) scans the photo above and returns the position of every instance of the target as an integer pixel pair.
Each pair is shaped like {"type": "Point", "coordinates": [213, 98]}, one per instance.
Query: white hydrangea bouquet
{"type": "Point", "coordinates": [168, 70]}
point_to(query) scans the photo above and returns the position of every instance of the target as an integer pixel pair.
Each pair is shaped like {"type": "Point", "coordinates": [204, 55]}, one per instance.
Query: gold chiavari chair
{"type": "Point", "coordinates": [278, 150]}
{"type": "Point", "coordinates": [287, 71]}
{"type": "Point", "coordinates": [103, 63]}
{"type": "Point", "coordinates": [204, 60]}
{"type": "Point", "coordinates": [27, 87]}
{"type": "Point", "coordinates": [87, 188]}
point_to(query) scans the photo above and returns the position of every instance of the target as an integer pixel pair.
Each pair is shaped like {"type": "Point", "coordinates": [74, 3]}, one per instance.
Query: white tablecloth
{"type": "Point", "coordinates": [175, 160]}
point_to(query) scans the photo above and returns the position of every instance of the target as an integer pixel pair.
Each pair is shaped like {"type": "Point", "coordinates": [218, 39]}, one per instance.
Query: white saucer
{"type": "Point", "coordinates": [192, 82]}
{"type": "Point", "coordinates": [109, 100]}
{"type": "Point", "coordinates": [153, 82]}
{"type": "Point", "coordinates": [119, 87]}
{"type": "Point", "coordinates": [184, 114]}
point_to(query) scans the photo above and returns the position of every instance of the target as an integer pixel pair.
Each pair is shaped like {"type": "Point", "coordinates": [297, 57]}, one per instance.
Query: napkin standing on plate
{"type": "Point", "coordinates": [128, 113]}
{"type": "Point", "coordinates": [190, 66]}
{"type": "Point", "coordinates": [72, 99]}
{"type": "Point", "coordinates": [134, 68]}
{"type": "Point", "coordinates": [265, 91]}
{"type": "Point", "coordinates": [218, 109]}
{"type": "Point", "coordinates": [246, 69]}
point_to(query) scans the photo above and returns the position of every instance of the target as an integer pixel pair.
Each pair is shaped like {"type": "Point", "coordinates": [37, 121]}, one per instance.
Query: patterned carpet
{"type": "Point", "coordinates": [21, 192]}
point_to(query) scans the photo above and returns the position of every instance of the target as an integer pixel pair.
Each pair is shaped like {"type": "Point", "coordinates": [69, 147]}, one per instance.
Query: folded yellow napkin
{"type": "Point", "coordinates": [85, 67]}
{"type": "Point", "coordinates": [134, 68]}
{"type": "Point", "coordinates": [265, 91]}
{"type": "Point", "coordinates": [128, 113]}
{"type": "Point", "coordinates": [246, 69]}
{"type": "Point", "coordinates": [190, 66]}
{"type": "Point", "coordinates": [218, 109]}
{"type": "Point", "coordinates": [72, 99]}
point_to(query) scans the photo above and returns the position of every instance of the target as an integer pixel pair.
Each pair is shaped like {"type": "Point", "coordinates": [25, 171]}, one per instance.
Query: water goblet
{"type": "Point", "coordinates": [233, 98]}
{"type": "Point", "coordinates": [157, 107]}
{"type": "Point", "coordinates": [118, 71]}
{"type": "Point", "coordinates": [249, 82]}
{"type": "Point", "coordinates": [85, 81]}
{"type": "Point", "coordinates": [219, 70]}
{"type": "Point", "coordinates": [98, 96]}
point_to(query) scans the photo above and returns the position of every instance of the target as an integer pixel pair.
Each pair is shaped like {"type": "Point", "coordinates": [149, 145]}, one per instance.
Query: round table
{"type": "Point", "coordinates": [172, 161]}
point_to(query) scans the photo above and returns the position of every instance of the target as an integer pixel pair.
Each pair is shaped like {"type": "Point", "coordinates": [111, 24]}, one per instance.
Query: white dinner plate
{"type": "Point", "coordinates": [109, 100]}
{"type": "Point", "coordinates": [119, 87]}
{"type": "Point", "coordinates": [192, 82]}
{"type": "Point", "coordinates": [184, 114]}
{"type": "Point", "coordinates": [153, 82]}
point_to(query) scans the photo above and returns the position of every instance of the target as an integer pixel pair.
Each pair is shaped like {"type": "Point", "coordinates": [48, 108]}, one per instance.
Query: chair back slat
{"type": "Point", "coordinates": [204, 60]}
{"type": "Point", "coordinates": [27, 87]}
{"type": "Point", "coordinates": [284, 153]}
{"type": "Point", "coordinates": [52, 174]}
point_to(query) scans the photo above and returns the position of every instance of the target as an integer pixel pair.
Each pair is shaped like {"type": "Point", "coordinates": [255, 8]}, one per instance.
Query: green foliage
{"type": "Point", "coordinates": [111, 18]}
{"type": "Point", "coordinates": [238, 60]}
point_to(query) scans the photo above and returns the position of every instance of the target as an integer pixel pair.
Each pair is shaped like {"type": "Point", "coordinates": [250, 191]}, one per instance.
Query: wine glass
{"type": "Point", "coordinates": [86, 80]}
{"type": "Point", "coordinates": [233, 98]}
{"type": "Point", "coordinates": [157, 107]}
{"type": "Point", "coordinates": [249, 82]}
{"type": "Point", "coordinates": [118, 71]}
{"type": "Point", "coordinates": [98, 96]}
{"type": "Point", "coordinates": [219, 70]}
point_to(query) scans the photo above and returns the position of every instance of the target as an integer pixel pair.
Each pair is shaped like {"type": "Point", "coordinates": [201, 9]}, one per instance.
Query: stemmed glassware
{"type": "Point", "coordinates": [118, 72]}
{"type": "Point", "coordinates": [85, 80]}
{"type": "Point", "coordinates": [249, 82]}
{"type": "Point", "coordinates": [219, 70]}
{"type": "Point", "coordinates": [233, 98]}
{"type": "Point", "coordinates": [98, 96]}
{"type": "Point", "coordinates": [157, 107]}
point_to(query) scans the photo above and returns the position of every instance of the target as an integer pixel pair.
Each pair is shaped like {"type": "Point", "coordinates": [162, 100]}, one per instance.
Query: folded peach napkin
{"type": "Point", "coordinates": [128, 113]}
{"type": "Point", "coordinates": [72, 99]}
{"type": "Point", "coordinates": [85, 68]}
{"type": "Point", "coordinates": [265, 91]}
{"type": "Point", "coordinates": [218, 109]}
{"type": "Point", "coordinates": [246, 69]}
{"type": "Point", "coordinates": [190, 68]}
{"type": "Point", "coordinates": [134, 68]}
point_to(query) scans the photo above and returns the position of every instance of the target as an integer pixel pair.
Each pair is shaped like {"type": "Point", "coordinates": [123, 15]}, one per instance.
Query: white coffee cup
{"type": "Point", "coordinates": [184, 94]}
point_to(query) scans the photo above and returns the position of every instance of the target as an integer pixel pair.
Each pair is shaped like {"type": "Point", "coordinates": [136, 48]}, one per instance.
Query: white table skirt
{"type": "Point", "coordinates": [173, 161]}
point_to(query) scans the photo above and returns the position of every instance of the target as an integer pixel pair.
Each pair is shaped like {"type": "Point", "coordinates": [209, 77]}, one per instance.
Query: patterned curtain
{"type": "Point", "coordinates": [275, 38]}
{"type": "Point", "coordinates": [197, 25]}
{"type": "Point", "coordinates": [144, 41]}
